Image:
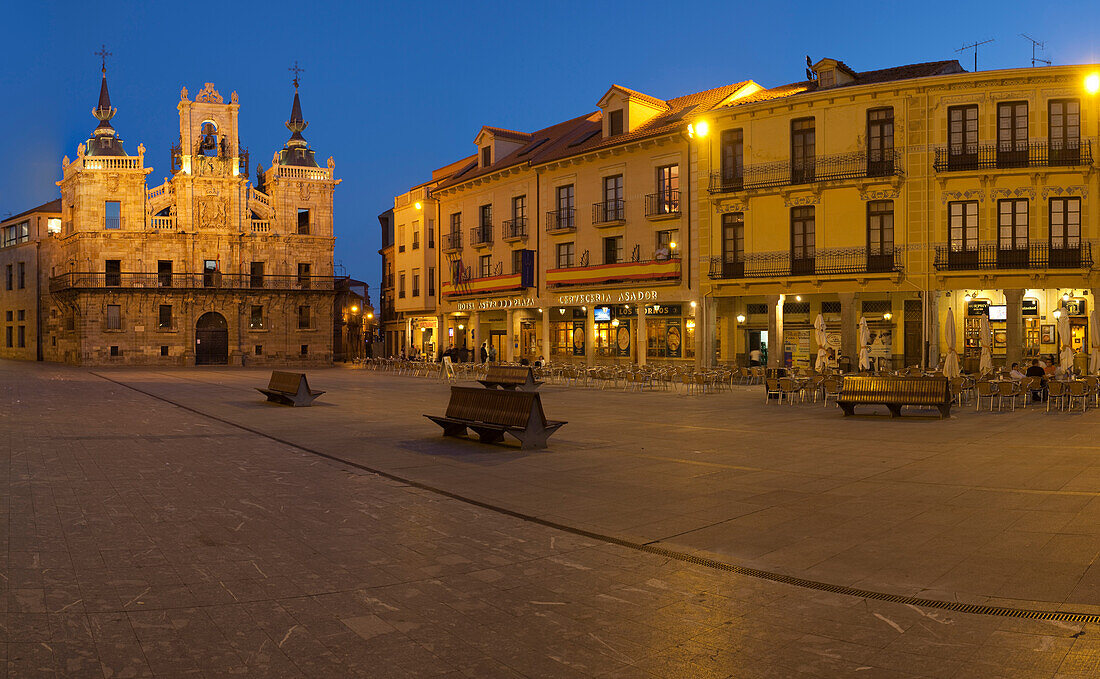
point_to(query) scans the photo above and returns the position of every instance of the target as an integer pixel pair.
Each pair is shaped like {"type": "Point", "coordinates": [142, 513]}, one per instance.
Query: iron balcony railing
{"type": "Point", "coordinates": [481, 235]}
{"type": "Point", "coordinates": [963, 157]}
{"type": "Point", "coordinates": [832, 261]}
{"type": "Point", "coordinates": [452, 241]}
{"type": "Point", "coordinates": [665, 203]}
{"type": "Point", "coordinates": [562, 219]}
{"type": "Point", "coordinates": [852, 165]}
{"type": "Point", "coordinates": [210, 280]}
{"type": "Point", "coordinates": [609, 211]}
{"type": "Point", "coordinates": [514, 229]}
{"type": "Point", "coordinates": [989, 256]}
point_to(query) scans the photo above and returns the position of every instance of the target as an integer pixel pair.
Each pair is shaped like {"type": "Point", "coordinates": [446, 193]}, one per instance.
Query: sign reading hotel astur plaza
{"type": "Point", "coordinates": [502, 303]}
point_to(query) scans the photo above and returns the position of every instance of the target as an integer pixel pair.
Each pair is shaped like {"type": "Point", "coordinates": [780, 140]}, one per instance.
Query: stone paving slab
{"type": "Point", "coordinates": [142, 539]}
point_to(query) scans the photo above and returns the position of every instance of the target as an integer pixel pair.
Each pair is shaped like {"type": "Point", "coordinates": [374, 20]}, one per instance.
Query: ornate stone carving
{"type": "Point", "coordinates": [976, 194]}
{"type": "Point", "coordinates": [331, 163]}
{"type": "Point", "coordinates": [183, 94]}
{"type": "Point", "coordinates": [233, 97]}
{"type": "Point", "coordinates": [213, 213]}
{"type": "Point", "coordinates": [1012, 193]}
{"type": "Point", "coordinates": [112, 182]}
{"type": "Point", "coordinates": [796, 201]}
{"type": "Point", "coordinates": [727, 206]}
{"type": "Point", "coordinates": [141, 150]}
{"type": "Point", "coordinates": [209, 95]}
{"type": "Point", "coordinates": [80, 150]}
{"type": "Point", "coordinates": [204, 166]}
{"type": "Point", "coordinates": [65, 162]}
{"type": "Point", "coordinates": [1082, 191]}
{"type": "Point", "coordinates": [886, 194]}
{"type": "Point", "coordinates": [304, 189]}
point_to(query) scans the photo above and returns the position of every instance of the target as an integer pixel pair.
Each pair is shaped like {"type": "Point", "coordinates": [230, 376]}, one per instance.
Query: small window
{"type": "Point", "coordinates": [114, 317]}
{"type": "Point", "coordinates": [112, 211]}
{"type": "Point", "coordinates": [9, 340]}
{"type": "Point", "coordinates": [10, 277]}
{"type": "Point", "coordinates": [517, 261]}
{"type": "Point", "coordinates": [210, 277]}
{"type": "Point", "coordinates": [8, 315]}
{"type": "Point", "coordinates": [826, 78]}
{"type": "Point", "coordinates": [565, 255]}
{"type": "Point", "coordinates": [165, 320]}
{"type": "Point", "coordinates": [615, 123]}
{"type": "Point", "coordinates": [22, 334]}
{"type": "Point", "coordinates": [667, 243]}
{"type": "Point", "coordinates": [613, 250]}
{"type": "Point", "coordinates": [305, 350]}
{"type": "Point", "coordinates": [164, 350]}
{"type": "Point", "coordinates": [431, 233]}
{"type": "Point", "coordinates": [256, 275]}
{"type": "Point", "coordinates": [164, 273]}
{"type": "Point", "coordinates": [486, 156]}
{"type": "Point", "coordinates": [22, 275]}
{"type": "Point", "coordinates": [485, 266]}
{"type": "Point", "coordinates": [416, 235]}
{"type": "Point", "coordinates": [114, 350]}
{"type": "Point", "coordinates": [256, 318]}
{"type": "Point", "coordinates": [401, 285]}
{"type": "Point", "coordinates": [259, 350]}
{"type": "Point", "coordinates": [431, 281]}
{"type": "Point", "coordinates": [303, 221]}
{"type": "Point", "coordinates": [21, 315]}
{"type": "Point", "coordinates": [303, 316]}
{"type": "Point", "coordinates": [113, 271]}
{"type": "Point", "coordinates": [304, 277]}
{"type": "Point", "coordinates": [416, 283]}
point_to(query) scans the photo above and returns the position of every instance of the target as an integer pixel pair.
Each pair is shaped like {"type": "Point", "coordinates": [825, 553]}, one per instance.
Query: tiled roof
{"type": "Point", "coordinates": [508, 134]}
{"type": "Point", "coordinates": [52, 206]}
{"type": "Point", "coordinates": [635, 94]}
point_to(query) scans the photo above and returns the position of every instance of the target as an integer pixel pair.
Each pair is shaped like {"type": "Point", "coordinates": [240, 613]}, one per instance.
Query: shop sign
{"type": "Point", "coordinates": [1029, 307]}
{"type": "Point", "coordinates": [623, 297]}
{"type": "Point", "coordinates": [424, 324]}
{"type": "Point", "coordinates": [977, 308]}
{"type": "Point", "coordinates": [622, 338]}
{"type": "Point", "coordinates": [502, 303]}
{"type": "Point", "coordinates": [1075, 307]}
{"type": "Point", "coordinates": [578, 338]}
{"type": "Point", "coordinates": [655, 310]}
{"type": "Point", "coordinates": [673, 339]}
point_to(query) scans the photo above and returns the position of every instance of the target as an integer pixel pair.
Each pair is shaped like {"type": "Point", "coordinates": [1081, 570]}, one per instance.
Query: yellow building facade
{"type": "Point", "coordinates": [900, 196]}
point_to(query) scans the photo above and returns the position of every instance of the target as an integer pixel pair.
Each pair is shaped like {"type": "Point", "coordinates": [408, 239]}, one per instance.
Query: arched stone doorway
{"type": "Point", "coordinates": [211, 339]}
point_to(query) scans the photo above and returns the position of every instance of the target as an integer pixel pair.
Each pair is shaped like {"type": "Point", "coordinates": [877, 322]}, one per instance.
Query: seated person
{"type": "Point", "coordinates": [1015, 373]}
{"type": "Point", "coordinates": [1036, 370]}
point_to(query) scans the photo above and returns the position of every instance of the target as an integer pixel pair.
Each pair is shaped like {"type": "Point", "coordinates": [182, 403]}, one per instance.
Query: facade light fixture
{"type": "Point", "coordinates": [1065, 296]}
{"type": "Point", "coordinates": [418, 205]}
{"type": "Point", "coordinates": [614, 323]}
{"type": "Point", "coordinates": [354, 309]}
{"type": "Point", "coordinates": [672, 245]}
{"type": "Point", "coordinates": [887, 316]}
{"type": "Point", "coordinates": [798, 298]}
{"type": "Point", "coordinates": [740, 318]}
{"type": "Point", "coordinates": [1057, 313]}
{"type": "Point", "coordinates": [1092, 83]}
{"type": "Point", "coordinates": [967, 298]}
{"type": "Point", "coordinates": [693, 305]}
{"type": "Point", "coordinates": [369, 315]}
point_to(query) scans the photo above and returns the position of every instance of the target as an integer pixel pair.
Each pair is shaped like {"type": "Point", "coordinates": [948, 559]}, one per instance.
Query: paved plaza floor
{"type": "Point", "coordinates": [170, 523]}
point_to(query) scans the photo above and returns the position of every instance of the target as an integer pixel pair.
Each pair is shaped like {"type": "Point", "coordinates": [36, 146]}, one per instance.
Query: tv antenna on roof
{"type": "Point", "coordinates": [974, 46]}
{"type": "Point", "coordinates": [1035, 43]}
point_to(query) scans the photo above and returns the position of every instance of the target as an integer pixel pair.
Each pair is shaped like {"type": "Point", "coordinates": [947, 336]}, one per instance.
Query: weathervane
{"type": "Point", "coordinates": [297, 71]}
{"type": "Point", "coordinates": [103, 54]}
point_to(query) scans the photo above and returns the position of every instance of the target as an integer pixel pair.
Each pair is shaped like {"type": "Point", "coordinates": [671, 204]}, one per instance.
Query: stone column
{"type": "Point", "coordinates": [775, 330]}
{"type": "Point", "coordinates": [642, 343]}
{"type": "Point", "coordinates": [849, 327]}
{"type": "Point", "coordinates": [706, 332]}
{"type": "Point", "coordinates": [475, 321]}
{"type": "Point", "coordinates": [509, 335]}
{"type": "Point", "coordinates": [590, 336]}
{"type": "Point", "coordinates": [1014, 325]}
{"type": "Point", "coordinates": [545, 351]}
{"type": "Point", "coordinates": [442, 337]}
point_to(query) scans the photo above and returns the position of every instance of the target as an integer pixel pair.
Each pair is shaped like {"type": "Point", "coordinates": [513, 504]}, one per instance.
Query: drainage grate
{"type": "Point", "coordinates": [954, 606]}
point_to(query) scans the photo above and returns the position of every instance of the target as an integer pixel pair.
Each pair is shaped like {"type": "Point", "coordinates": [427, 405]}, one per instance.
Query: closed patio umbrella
{"type": "Point", "coordinates": [986, 365]}
{"type": "Point", "coordinates": [1094, 356]}
{"type": "Point", "coordinates": [822, 339]}
{"type": "Point", "coordinates": [1065, 358]}
{"type": "Point", "coordinates": [864, 345]}
{"type": "Point", "coordinates": [951, 363]}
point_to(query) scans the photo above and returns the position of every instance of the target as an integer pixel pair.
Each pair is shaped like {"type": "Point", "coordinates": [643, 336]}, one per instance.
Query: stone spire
{"type": "Point", "coordinates": [104, 140]}
{"type": "Point", "coordinates": [296, 151]}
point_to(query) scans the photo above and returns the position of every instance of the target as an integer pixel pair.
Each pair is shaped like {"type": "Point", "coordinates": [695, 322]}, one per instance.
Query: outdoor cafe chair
{"type": "Point", "coordinates": [985, 389]}
{"type": "Point", "coordinates": [1078, 389]}
{"type": "Point", "coordinates": [1031, 386]}
{"type": "Point", "coordinates": [1057, 390]}
{"type": "Point", "coordinates": [771, 388]}
{"type": "Point", "coordinates": [1009, 389]}
{"type": "Point", "coordinates": [960, 390]}
{"type": "Point", "coordinates": [830, 386]}
{"type": "Point", "coordinates": [1093, 383]}
{"type": "Point", "coordinates": [788, 389]}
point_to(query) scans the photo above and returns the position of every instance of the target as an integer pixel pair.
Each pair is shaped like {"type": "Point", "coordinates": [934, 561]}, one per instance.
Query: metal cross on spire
{"type": "Point", "coordinates": [297, 72]}
{"type": "Point", "coordinates": [103, 54]}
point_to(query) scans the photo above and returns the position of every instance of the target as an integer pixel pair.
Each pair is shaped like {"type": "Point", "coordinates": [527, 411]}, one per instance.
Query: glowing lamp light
{"type": "Point", "coordinates": [418, 205]}
{"type": "Point", "coordinates": [672, 245]}
{"type": "Point", "coordinates": [693, 305]}
{"type": "Point", "coordinates": [798, 298]}
{"type": "Point", "coordinates": [614, 322]}
{"type": "Point", "coordinates": [369, 316]}
{"type": "Point", "coordinates": [1065, 296]}
{"type": "Point", "coordinates": [1092, 83]}
{"type": "Point", "coordinates": [967, 298]}
{"type": "Point", "coordinates": [887, 316]}
{"type": "Point", "coordinates": [540, 310]}
{"type": "Point", "coordinates": [561, 311]}
{"type": "Point", "coordinates": [1057, 313]}
{"type": "Point", "coordinates": [461, 327]}
{"type": "Point", "coordinates": [699, 129]}
{"type": "Point", "coordinates": [740, 318]}
{"type": "Point", "coordinates": [354, 309]}
{"type": "Point", "coordinates": [690, 324]}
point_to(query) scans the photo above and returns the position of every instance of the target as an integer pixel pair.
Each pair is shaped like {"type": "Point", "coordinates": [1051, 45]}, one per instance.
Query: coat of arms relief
{"type": "Point", "coordinates": [213, 213]}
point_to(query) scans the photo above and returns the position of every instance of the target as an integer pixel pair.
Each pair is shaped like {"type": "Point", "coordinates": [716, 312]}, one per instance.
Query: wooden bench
{"type": "Point", "coordinates": [492, 413]}
{"type": "Point", "coordinates": [289, 389]}
{"type": "Point", "coordinates": [511, 377]}
{"type": "Point", "coordinates": [895, 392]}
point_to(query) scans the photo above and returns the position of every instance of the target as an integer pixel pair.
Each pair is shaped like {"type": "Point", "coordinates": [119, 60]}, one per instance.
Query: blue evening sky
{"type": "Point", "coordinates": [393, 90]}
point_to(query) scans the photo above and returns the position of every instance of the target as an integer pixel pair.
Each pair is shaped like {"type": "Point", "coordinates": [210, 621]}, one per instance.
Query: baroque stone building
{"type": "Point", "coordinates": [206, 268]}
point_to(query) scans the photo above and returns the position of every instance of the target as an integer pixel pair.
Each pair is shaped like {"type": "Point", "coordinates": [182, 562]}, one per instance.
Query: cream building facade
{"type": "Point", "coordinates": [205, 268]}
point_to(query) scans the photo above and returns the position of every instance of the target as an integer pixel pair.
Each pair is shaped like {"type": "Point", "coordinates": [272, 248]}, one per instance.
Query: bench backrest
{"type": "Point", "coordinates": [495, 406]}
{"type": "Point", "coordinates": [287, 382]}
{"type": "Point", "coordinates": [882, 389]}
{"type": "Point", "coordinates": [509, 374]}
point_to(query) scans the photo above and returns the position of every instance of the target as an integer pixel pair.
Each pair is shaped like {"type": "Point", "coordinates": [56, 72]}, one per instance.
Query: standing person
{"type": "Point", "coordinates": [754, 357]}
{"type": "Point", "coordinates": [492, 354]}
{"type": "Point", "coordinates": [483, 354]}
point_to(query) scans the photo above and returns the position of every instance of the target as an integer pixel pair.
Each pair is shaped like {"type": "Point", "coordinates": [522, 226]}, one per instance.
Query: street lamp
{"type": "Point", "coordinates": [740, 318]}
{"type": "Point", "coordinates": [887, 316]}
{"type": "Point", "coordinates": [1092, 83]}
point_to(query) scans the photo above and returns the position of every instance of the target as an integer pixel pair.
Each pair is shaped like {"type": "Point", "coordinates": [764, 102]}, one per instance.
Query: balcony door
{"type": "Point", "coordinates": [880, 142]}
{"type": "Point", "coordinates": [1012, 244]}
{"type": "Point", "coordinates": [733, 159]}
{"type": "Point", "coordinates": [1065, 132]}
{"type": "Point", "coordinates": [1065, 233]}
{"type": "Point", "coordinates": [668, 189]}
{"type": "Point", "coordinates": [802, 151]}
{"type": "Point", "coordinates": [733, 245]}
{"type": "Point", "coordinates": [962, 137]}
{"type": "Point", "coordinates": [880, 235]}
{"type": "Point", "coordinates": [962, 234]}
{"type": "Point", "coordinates": [1012, 134]}
{"type": "Point", "coordinates": [802, 241]}
{"type": "Point", "coordinates": [613, 198]}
